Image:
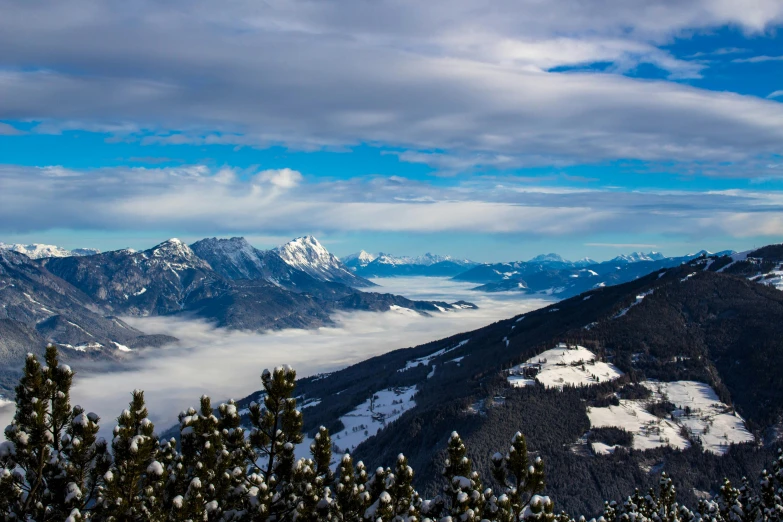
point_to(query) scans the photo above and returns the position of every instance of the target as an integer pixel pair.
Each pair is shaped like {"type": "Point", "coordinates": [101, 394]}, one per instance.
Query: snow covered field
{"type": "Point", "coordinates": [648, 430]}
{"type": "Point", "coordinates": [366, 420]}
{"type": "Point", "coordinates": [564, 366]}
{"type": "Point", "coordinates": [714, 423]}
{"type": "Point", "coordinates": [224, 363]}
{"type": "Point", "coordinates": [706, 419]}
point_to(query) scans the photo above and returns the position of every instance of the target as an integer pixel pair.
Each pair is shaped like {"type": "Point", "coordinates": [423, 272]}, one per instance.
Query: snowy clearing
{"type": "Point", "coordinates": [639, 299]}
{"type": "Point", "coordinates": [700, 414]}
{"type": "Point", "coordinates": [563, 366]}
{"type": "Point", "coordinates": [367, 419]}
{"type": "Point", "coordinates": [648, 430]}
{"type": "Point", "coordinates": [427, 359]}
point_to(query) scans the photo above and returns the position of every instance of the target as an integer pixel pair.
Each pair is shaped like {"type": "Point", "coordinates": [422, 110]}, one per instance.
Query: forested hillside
{"type": "Point", "coordinates": [53, 466]}
{"type": "Point", "coordinates": [684, 324]}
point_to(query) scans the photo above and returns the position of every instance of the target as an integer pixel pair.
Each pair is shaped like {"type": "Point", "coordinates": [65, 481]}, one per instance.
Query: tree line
{"type": "Point", "coordinates": [55, 467]}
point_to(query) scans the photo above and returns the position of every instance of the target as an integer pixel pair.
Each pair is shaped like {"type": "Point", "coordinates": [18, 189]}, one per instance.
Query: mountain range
{"type": "Point", "coordinates": [39, 251]}
{"type": "Point", "coordinates": [386, 265]}
{"type": "Point", "coordinates": [552, 275]}
{"type": "Point", "coordinates": [676, 371]}
{"type": "Point", "coordinates": [75, 301]}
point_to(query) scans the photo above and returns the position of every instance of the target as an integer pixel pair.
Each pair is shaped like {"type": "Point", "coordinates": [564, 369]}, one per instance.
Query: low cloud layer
{"type": "Point", "coordinates": [199, 201]}
{"type": "Point", "coordinates": [226, 364]}
{"type": "Point", "coordinates": [441, 75]}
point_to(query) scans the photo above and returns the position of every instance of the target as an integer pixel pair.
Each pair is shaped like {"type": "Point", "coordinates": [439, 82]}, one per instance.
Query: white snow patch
{"type": "Point", "coordinates": [428, 358]}
{"type": "Point", "coordinates": [712, 422]}
{"type": "Point", "coordinates": [368, 418]}
{"type": "Point", "coordinates": [565, 366]}
{"type": "Point", "coordinates": [639, 299]}
{"type": "Point", "coordinates": [122, 347]}
{"type": "Point", "coordinates": [402, 310]}
{"type": "Point", "coordinates": [520, 382]}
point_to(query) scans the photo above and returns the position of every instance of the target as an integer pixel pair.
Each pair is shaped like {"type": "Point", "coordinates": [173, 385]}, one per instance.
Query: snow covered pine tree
{"type": "Point", "coordinates": [53, 467]}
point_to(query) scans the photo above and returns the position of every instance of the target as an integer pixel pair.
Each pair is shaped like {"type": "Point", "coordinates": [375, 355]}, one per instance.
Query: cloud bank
{"type": "Point", "coordinates": [198, 200]}
{"type": "Point", "coordinates": [226, 364]}
{"type": "Point", "coordinates": [449, 76]}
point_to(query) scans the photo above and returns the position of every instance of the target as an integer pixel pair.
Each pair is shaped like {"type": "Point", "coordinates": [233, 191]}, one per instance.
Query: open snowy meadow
{"type": "Point", "coordinates": [227, 363]}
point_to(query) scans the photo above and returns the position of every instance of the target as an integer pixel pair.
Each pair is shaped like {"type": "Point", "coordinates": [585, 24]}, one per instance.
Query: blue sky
{"type": "Point", "coordinates": [395, 126]}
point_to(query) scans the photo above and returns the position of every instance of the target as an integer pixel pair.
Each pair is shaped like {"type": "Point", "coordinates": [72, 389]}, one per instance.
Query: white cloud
{"type": "Point", "coordinates": [283, 178]}
{"type": "Point", "coordinates": [8, 130]}
{"type": "Point", "coordinates": [440, 75]}
{"type": "Point", "coordinates": [758, 59]}
{"type": "Point", "coordinates": [196, 201]}
{"type": "Point", "coordinates": [621, 245]}
{"type": "Point", "coordinates": [775, 94]}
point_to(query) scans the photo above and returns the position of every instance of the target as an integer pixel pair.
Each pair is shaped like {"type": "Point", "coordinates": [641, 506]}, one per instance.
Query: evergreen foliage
{"type": "Point", "coordinates": [53, 466]}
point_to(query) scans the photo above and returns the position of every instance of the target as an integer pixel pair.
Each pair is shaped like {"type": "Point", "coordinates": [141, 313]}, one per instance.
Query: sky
{"type": "Point", "coordinates": [493, 131]}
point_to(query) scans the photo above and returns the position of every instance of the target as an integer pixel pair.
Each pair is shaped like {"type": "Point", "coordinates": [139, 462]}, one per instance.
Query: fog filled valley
{"type": "Point", "coordinates": [227, 363]}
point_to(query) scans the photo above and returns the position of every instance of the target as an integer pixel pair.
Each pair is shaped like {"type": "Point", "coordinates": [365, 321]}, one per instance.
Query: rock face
{"type": "Point", "coordinates": [308, 255]}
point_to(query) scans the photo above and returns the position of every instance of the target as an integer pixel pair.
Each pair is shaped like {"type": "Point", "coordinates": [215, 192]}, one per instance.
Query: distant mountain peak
{"type": "Point", "coordinates": [306, 253]}
{"type": "Point", "coordinates": [548, 258]}
{"type": "Point", "coordinates": [39, 251]}
{"type": "Point", "coordinates": [361, 258]}
{"type": "Point", "coordinates": [177, 253]}
{"type": "Point", "coordinates": [635, 257]}
{"type": "Point", "coordinates": [306, 250]}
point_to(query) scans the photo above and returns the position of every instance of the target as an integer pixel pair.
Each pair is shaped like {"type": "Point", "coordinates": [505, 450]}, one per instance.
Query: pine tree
{"type": "Point", "coordinates": [276, 430]}
{"type": "Point", "coordinates": [135, 476]}
{"type": "Point", "coordinates": [463, 488]}
{"type": "Point", "coordinates": [86, 460]}
{"type": "Point", "coordinates": [35, 481]}
{"type": "Point", "coordinates": [352, 498]}
{"type": "Point", "coordinates": [405, 499]}
{"type": "Point", "coordinates": [519, 480]}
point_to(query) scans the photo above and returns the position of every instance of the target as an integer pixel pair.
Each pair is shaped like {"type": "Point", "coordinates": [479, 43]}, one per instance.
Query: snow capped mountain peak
{"type": "Point", "coordinates": [427, 259]}
{"type": "Point", "coordinates": [360, 258]}
{"type": "Point", "coordinates": [39, 251]}
{"type": "Point", "coordinates": [548, 258]}
{"type": "Point", "coordinates": [177, 253]}
{"type": "Point", "coordinates": [635, 257]}
{"type": "Point", "coordinates": [306, 251]}
{"type": "Point", "coordinates": [585, 261]}
{"type": "Point", "coordinates": [307, 254]}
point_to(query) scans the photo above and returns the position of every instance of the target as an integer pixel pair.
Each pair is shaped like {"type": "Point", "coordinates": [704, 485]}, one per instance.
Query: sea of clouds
{"type": "Point", "coordinates": [228, 363]}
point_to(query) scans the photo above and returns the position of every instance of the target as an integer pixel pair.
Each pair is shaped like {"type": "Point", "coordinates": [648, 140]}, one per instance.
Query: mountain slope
{"type": "Point", "coordinates": [37, 307]}
{"type": "Point", "coordinates": [308, 255]}
{"type": "Point", "coordinates": [236, 259]}
{"type": "Point", "coordinates": [681, 324]}
{"type": "Point", "coordinates": [153, 282]}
